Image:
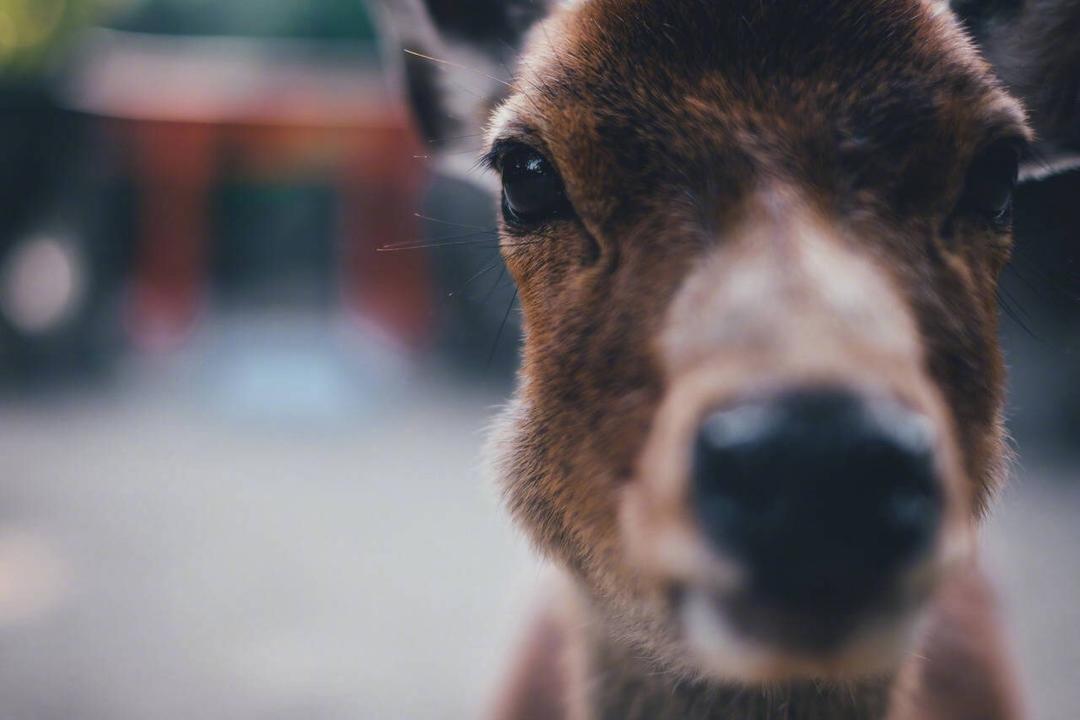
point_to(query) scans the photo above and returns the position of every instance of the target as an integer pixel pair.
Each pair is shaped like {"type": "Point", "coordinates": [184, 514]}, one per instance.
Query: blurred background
{"type": "Point", "coordinates": [240, 467]}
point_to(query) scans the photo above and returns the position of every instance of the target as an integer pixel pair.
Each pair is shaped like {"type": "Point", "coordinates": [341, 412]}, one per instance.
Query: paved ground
{"type": "Point", "coordinates": [1033, 550]}
{"type": "Point", "coordinates": [164, 554]}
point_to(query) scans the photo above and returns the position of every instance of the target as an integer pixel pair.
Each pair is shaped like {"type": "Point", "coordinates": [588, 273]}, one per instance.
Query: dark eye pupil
{"type": "Point", "coordinates": [991, 182]}
{"type": "Point", "coordinates": [532, 190]}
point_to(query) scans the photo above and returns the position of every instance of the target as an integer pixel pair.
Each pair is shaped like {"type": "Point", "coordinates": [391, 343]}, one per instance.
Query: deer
{"type": "Point", "coordinates": [759, 413]}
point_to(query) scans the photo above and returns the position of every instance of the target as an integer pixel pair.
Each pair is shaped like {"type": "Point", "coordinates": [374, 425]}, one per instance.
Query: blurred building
{"type": "Point", "coordinates": [239, 468]}
{"type": "Point", "coordinates": [179, 159]}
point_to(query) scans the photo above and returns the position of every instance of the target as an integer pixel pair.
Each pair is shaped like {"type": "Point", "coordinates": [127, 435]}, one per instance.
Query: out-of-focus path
{"type": "Point", "coordinates": [1032, 549]}
{"type": "Point", "coordinates": [159, 560]}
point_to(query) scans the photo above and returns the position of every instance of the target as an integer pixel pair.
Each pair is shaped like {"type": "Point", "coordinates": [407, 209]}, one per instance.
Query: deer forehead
{"type": "Point", "coordinates": [645, 78]}
{"type": "Point", "coordinates": [788, 278]}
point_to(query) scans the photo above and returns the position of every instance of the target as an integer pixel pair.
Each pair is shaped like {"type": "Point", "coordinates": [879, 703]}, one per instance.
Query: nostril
{"type": "Point", "coordinates": [739, 426]}
{"type": "Point", "coordinates": [727, 462]}
{"type": "Point", "coordinates": [912, 515]}
{"type": "Point", "coordinates": [893, 484]}
{"type": "Point", "coordinates": [732, 493]}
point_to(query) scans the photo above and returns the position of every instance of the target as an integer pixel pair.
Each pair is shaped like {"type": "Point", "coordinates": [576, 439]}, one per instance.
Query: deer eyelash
{"type": "Point", "coordinates": [489, 160]}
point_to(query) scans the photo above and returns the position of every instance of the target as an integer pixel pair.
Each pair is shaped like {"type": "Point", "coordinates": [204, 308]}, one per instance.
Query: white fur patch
{"type": "Point", "coordinates": [712, 639]}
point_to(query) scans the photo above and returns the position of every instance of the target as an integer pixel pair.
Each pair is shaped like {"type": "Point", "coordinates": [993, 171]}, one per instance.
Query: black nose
{"type": "Point", "coordinates": [822, 495]}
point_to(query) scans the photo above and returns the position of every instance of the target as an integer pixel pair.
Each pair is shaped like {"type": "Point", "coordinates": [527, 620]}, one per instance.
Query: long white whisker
{"type": "Point", "coordinates": [466, 68]}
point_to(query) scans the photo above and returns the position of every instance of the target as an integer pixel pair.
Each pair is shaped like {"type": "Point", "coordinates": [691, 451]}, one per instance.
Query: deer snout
{"type": "Point", "coordinates": [801, 493]}
{"type": "Point", "coordinates": [822, 496]}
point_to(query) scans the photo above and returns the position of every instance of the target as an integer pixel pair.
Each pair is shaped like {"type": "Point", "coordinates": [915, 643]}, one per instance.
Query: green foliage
{"type": "Point", "coordinates": [34, 32]}
{"type": "Point", "coordinates": [310, 19]}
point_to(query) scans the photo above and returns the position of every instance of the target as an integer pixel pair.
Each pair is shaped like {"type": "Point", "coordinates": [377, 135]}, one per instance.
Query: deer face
{"type": "Point", "coordinates": [757, 247]}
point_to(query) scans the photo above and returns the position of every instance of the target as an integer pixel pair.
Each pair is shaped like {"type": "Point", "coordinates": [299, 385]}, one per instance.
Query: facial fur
{"type": "Point", "coordinates": [762, 193]}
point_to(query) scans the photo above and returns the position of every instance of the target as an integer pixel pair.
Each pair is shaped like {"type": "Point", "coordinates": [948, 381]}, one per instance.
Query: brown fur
{"type": "Point", "coordinates": [958, 672]}
{"type": "Point", "coordinates": [764, 196]}
{"type": "Point", "coordinates": [1034, 46]}
{"type": "Point", "coordinates": [897, 105]}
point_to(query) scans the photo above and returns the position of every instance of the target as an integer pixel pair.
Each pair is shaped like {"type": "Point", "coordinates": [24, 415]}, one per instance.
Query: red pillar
{"type": "Point", "coordinates": [382, 192]}
{"type": "Point", "coordinates": [174, 168]}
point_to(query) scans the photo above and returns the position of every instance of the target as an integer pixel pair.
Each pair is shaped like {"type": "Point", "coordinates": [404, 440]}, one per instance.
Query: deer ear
{"type": "Point", "coordinates": [453, 60]}
{"type": "Point", "coordinates": [1035, 47]}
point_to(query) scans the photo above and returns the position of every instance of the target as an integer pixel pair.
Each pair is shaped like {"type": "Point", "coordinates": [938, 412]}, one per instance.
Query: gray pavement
{"type": "Point", "coordinates": [162, 559]}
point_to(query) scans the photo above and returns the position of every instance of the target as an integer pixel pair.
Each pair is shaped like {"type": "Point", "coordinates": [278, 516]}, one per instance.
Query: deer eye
{"type": "Point", "coordinates": [991, 183]}
{"type": "Point", "coordinates": [533, 192]}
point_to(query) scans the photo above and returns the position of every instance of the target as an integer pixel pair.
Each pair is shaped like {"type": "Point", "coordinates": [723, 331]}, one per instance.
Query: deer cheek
{"type": "Point", "coordinates": [549, 258]}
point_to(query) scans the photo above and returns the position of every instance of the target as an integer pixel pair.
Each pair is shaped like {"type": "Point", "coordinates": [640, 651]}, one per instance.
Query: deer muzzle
{"type": "Point", "coordinates": [799, 495]}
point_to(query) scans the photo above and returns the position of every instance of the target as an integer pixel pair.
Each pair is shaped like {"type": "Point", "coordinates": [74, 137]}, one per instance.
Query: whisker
{"type": "Point", "coordinates": [511, 74]}
{"type": "Point", "coordinates": [502, 327]}
{"type": "Point", "coordinates": [467, 151]}
{"type": "Point", "coordinates": [485, 242]}
{"type": "Point", "coordinates": [471, 91]}
{"type": "Point", "coordinates": [453, 224]}
{"type": "Point", "coordinates": [473, 279]}
{"type": "Point", "coordinates": [1006, 303]}
{"type": "Point", "coordinates": [1021, 310]}
{"type": "Point", "coordinates": [460, 67]}
{"type": "Point", "coordinates": [436, 141]}
{"type": "Point", "coordinates": [551, 46]}
{"type": "Point", "coordinates": [1048, 281]}
{"type": "Point", "coordinates": [444, 153]}
{"type": "Point", "coordinates": [1014, 303]}
{"type": "Point", "coordinates": [462, 236]}
{"type": "Point", "coordinates": [494, 286]}
{"type": "Point", "coordinates": [428, 246]}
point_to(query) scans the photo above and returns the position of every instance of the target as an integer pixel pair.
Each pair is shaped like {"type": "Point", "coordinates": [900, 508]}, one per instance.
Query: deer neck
{"type": "Point", "coordinates": [618, 687]}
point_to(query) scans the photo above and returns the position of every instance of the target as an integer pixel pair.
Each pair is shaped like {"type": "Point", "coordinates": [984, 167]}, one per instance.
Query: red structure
{"type": "Point", "coordinates": [275, 109]}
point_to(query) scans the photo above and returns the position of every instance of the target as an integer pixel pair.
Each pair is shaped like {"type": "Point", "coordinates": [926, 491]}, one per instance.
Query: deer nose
{"type": "Point", "coordinates": [822, 495]}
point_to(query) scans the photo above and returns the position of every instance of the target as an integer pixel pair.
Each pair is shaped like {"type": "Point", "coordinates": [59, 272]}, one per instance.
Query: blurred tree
{"type": "Point", "coordinates": [43, 148]}
{"type": "Point", "coordinates": [34, 33]}
{"type": "Point", "coordinates": [310, 19]}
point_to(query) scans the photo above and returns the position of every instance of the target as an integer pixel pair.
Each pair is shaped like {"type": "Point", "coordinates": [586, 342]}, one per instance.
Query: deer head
{"type": "Point", "coordinates": [757, 244]}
